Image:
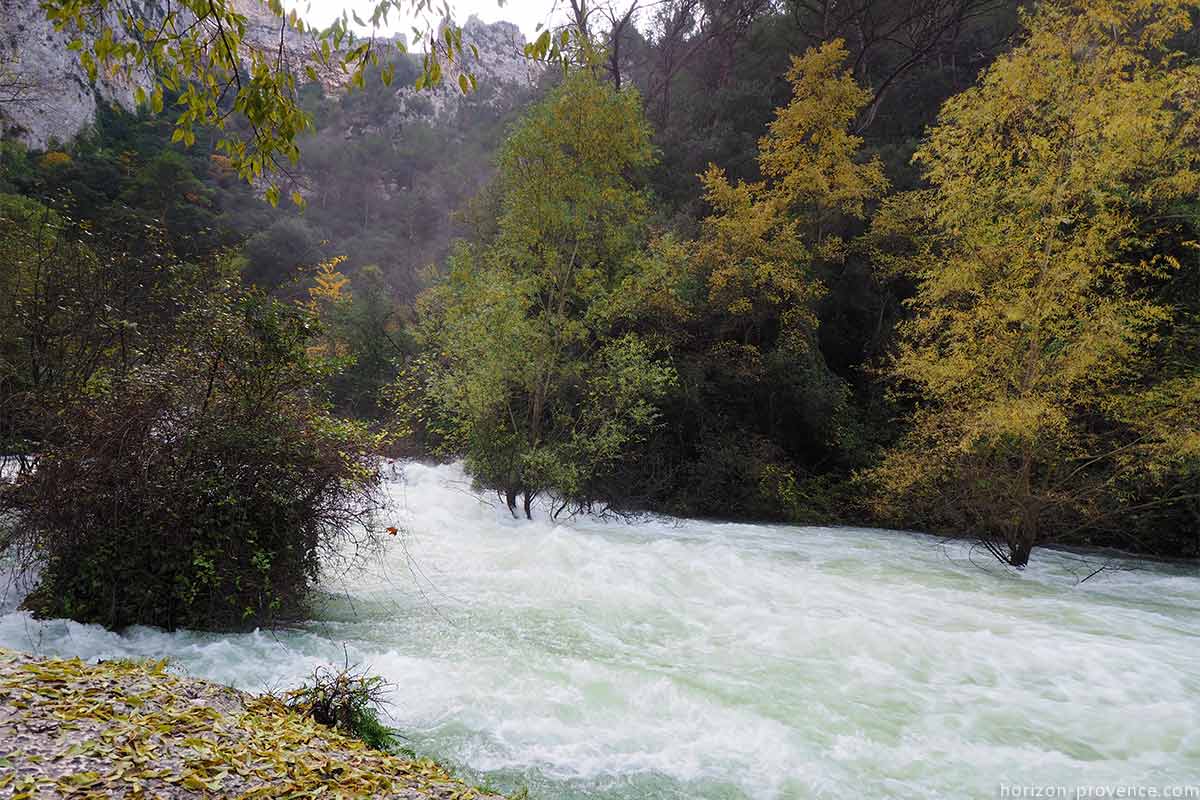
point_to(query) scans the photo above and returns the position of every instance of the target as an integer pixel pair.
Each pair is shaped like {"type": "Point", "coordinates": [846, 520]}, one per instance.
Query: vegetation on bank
{"type": "Point", "coordinates": [188, 472]}
{"type": "Point", "coordinates": [1045, 370]}
{"type": "Point", "coordinates": [133, 729]}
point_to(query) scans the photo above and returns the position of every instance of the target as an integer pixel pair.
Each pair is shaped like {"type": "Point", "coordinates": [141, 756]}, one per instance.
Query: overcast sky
{"type": "Point", "coordinates": [525, 13]}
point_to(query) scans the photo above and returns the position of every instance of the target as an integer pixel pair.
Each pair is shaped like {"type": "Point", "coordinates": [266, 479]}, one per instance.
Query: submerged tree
{"type": "Point", "coordinates": [543, 393]}
{"type": "Point", "coordinates": [207, 490]}
{"type": "Point", "coordinates": [1052, 344]}
{"type": "Point", "coordinates": [176, 462]}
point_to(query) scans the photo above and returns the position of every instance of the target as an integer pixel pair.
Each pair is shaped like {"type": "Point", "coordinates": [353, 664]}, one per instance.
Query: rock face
{"type": "Point", "coordinates": [46, 97]}
{"type": "Point", "coordinates": [265, 32]}
{"type": "Point", "coordinates": [500, 68]}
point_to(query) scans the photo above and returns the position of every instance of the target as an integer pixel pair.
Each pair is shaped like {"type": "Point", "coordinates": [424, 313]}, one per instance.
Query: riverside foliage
{"type": "Point", "coordinates": [1044, 366]}
{"type": "Point", "coordinates": [182, 467]}
{"type": "Point", "coordinates": [745, 265]}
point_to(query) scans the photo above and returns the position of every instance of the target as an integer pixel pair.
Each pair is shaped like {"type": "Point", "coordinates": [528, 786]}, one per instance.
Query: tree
{"type": "Point", "coordinates": [893, 38]}
{"type": "Point", "coordinates": [47, 299]}
{"type": "Point", "coordinates": [760, 245]}
{"type": "Point", "coordinates": [545, 395]}
{"type": "Point", "coordinates": [194, 478]}
{"type": "Point", "coordinates": [757, 411]}
{"type": "Point", "coordinates": [761, 249]}
{"type": "Point", "coordinates": [362, 328]}
{"type": "Point", "coordinates": [198, 53]}
{"type": "Point", "coordinates": [1051, 346]}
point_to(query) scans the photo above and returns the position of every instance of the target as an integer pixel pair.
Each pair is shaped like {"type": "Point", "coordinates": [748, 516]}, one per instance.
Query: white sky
{"type": "Point", "coordinates": [525, 13]}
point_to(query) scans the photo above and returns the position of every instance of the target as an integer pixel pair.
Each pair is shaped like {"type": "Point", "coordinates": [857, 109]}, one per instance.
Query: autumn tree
{"type": "Point", "coordinates": [891, 39]}
{"type": "Point", "coordinates": [545, 394]}
{"type": "Point", "coordinates": [758, 261]}
{"type": "Point", "coordinates": [1051, 349]}
{"type": "Point", "coordinates": [361, 330]}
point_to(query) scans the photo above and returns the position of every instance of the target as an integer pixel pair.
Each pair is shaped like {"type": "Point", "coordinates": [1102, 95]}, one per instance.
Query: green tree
{"type": "Point", "coordinates": [1051, 345]}
{"type": "Point", "coordinates": [362, 328]}
{"type": "Point", "coordinates": [197, 479]}
{"type": "Point", "coordinates": [545, 393]}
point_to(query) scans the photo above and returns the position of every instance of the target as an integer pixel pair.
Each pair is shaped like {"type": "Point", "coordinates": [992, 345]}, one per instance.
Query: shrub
{"type": "Point", "coordinates": [348, 700]}
{"type": "Point", "coordinates": [203, 488]}
{"type": "Point", "coordinates": [55, 158]}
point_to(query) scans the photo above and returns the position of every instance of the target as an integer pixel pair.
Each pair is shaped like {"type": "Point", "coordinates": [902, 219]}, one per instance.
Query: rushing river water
{"type": "Point", "coordinates": [688, 659]}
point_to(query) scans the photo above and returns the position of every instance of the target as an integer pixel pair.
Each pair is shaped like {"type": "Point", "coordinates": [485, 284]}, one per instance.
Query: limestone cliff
{"type": "Point", "coordinates": [46, 97]}
{"type": "Point", "coordinates": [49, 97]}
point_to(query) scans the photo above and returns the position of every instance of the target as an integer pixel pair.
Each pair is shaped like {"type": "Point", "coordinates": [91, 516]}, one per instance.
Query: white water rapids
{"type": "Point", "coordinates": [688, 659]}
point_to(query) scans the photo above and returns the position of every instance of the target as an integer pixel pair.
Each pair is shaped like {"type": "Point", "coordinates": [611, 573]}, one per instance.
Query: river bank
{"type": "Point", "coordinates": [135, 729]}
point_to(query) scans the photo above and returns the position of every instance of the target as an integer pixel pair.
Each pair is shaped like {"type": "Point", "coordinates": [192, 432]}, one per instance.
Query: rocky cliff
{"type": "Point", "coordinates": [46, 97]}
{"type": "Point", "coordinates": [45, 94]}
{"type": "Point", "coordinates": [500, 67]}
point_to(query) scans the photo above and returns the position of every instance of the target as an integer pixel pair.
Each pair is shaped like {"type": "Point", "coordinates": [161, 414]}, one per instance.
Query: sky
{"type": "Point", "coordinates": [527, 14]}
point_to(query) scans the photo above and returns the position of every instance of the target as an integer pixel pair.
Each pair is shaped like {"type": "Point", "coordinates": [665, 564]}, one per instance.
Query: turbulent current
{"type": "Point", "coordinates": [669, 658]}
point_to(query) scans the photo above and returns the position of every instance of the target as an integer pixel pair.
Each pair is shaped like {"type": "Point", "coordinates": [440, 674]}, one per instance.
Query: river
{"type": "Point", "coordinates": [680, 659]}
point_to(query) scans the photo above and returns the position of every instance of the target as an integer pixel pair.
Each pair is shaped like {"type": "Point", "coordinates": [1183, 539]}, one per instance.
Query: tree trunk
{"type": "Point", "coordinates": [1020, 548]}
{"type": "Point", "coordinates": [510, 497]}
{"type": "Point", "coordinates": [528, 502]}
{"type": "Point", "coordinates": [1026, 534]}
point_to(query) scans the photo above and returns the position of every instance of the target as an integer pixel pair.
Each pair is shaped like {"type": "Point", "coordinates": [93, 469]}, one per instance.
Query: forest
{"type": "Point", "coordinates": [930, 266]}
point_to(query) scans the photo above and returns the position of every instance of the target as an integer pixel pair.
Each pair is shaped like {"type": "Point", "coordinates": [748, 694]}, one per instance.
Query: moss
{"type": "Point", "coordinates": [134, 729]}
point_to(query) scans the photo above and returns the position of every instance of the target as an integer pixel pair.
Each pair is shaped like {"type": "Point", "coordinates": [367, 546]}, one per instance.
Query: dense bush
{"type": "Point", "coordinates": [202, 489]}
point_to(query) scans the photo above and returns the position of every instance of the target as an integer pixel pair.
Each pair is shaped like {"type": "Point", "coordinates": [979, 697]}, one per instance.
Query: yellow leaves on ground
{"type": "Point", "coordinates": [131, 729]}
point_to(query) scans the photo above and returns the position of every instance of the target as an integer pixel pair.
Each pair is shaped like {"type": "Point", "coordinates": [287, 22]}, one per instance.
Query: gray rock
{"type": "Point", "coordinates": [57, 101]}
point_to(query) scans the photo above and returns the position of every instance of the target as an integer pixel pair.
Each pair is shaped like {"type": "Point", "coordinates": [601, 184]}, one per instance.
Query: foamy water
{"type": "Point", "coordinates": [689, 659]}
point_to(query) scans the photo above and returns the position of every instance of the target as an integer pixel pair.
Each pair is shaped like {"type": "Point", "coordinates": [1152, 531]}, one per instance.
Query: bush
{"type": "Point", "coordinates": [201, 489]}
{"type": "Point", "coordinates": [347, 700]}
{"type": "Point", "coordinates": [55, 158]}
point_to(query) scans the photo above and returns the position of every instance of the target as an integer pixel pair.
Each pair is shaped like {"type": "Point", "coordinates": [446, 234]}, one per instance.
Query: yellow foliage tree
{"type": "Point", "coordinates": [329, 285]}
{"type": "Point", "coordinates": [1056, 226]}
{"type": "Point", "coordinates": [759, 246]}
{"type": "Point", "coordinates": [329, 292]}
{"type": "Point", "coordinates": [55, 158]}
